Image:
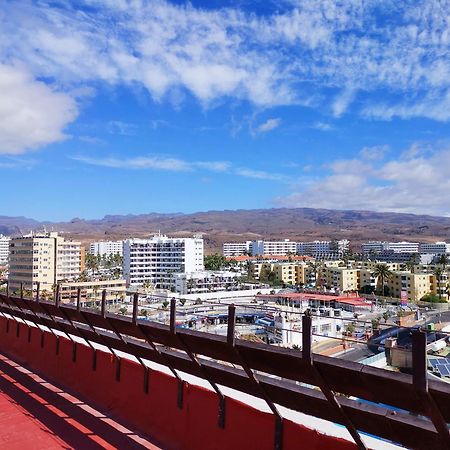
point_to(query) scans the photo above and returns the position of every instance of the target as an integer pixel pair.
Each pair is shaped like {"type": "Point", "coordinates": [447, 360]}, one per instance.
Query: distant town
{"type": "Point", "coordinates": [356, 299]}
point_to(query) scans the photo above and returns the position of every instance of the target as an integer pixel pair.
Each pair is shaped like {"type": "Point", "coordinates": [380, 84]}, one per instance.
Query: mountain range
{"type": "Point", "coordinates": [301, 224]}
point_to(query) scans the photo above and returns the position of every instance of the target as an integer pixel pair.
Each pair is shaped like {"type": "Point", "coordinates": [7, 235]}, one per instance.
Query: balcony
{"type": "Point", "coordinates": [175, 399]}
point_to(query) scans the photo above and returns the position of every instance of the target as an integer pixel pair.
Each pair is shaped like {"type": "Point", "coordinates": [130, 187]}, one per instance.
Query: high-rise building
{"type": "Point", "coordinates": [106, 248]}
{"type": "Point", "coordinates": [155, 260]}
{"type": "Point", "coordinates": [4, 249]}
{"type": "Point", "coordinates": [44, 258]}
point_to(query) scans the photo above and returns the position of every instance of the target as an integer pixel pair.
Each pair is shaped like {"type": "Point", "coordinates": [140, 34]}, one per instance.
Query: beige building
{"type": "Point", "coordinates": [341, 279]}
{"type": "Point", "coordinates": [44, 258]}
{"type": "Point", "coordinates": [91, 291]}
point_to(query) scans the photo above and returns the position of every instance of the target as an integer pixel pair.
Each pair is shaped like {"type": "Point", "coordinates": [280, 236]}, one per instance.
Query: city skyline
{"type": "Point", "coordinates": [129, 107]}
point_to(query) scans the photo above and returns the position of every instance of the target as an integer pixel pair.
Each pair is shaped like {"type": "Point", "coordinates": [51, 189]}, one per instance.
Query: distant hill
{"type": "Point", "coordinates": [239, 225]}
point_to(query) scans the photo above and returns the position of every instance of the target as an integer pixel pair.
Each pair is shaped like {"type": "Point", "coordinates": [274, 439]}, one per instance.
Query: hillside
{"type": "Point", "coordinates": [239, 225]}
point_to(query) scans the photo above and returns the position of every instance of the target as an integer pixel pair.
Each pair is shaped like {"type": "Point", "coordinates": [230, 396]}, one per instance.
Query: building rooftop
{"type": "Point", "coordinates": [37, 414]}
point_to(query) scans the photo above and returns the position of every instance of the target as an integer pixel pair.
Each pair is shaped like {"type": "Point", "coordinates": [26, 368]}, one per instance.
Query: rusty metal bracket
{"type": "Point", "coordinates": [201, 367]}
{"type": "Point", "coordinates": [162, 356]}
{"type": "Point", "coordinates": [231, 331]}
{"type": "Point", "coordinates": [114, 329]}
{"type": "Point", "coordinates": [307, 355]}
{"type": "Point", "coordinates": [420, 382]}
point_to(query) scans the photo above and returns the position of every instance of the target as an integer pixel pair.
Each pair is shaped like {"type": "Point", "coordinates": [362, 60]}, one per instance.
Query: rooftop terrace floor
{"type": "Point", "coordinates": [36, 414]}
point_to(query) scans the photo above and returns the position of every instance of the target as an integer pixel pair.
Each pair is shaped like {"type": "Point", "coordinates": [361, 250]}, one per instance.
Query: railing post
{"type": "Point", "coordinates": [307, 337]}
{"type": "Point", "coordinates": [7, 288]}
{"type": "Point", "coordinates": [420, 382]}
{"type": "Point", "coordinates": [103, 305]}
{"type": "Point", "coordinates": [135, 307]}
{"type": "Point", "coordinates": [21, 290]}
{"type": "Point", "coordinates": [173, 314]}
{"type": "Point", "coordinates": [419, 361]}
{"type": "Point", "coordinates": [38, 287]}
{"type": "Point", "coordinates": [78, 299]}
{"type": "Point", "coordinates": [57, 299]}
{"type": "Point", "coordinates": [231, 325]}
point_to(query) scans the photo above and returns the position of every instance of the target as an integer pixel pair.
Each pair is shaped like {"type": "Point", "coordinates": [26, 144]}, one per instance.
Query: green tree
{"type": "Point", "coordinates": [383, 273]}
{"type": "Point", "coordinates": [215, 262]}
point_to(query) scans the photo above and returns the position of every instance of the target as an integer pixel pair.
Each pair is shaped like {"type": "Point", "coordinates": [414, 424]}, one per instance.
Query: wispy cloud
{"type": "Point", "coordinates": [260, 174]}
{"type": "Point", "coordinates": [374, 153]}
{"type": "Point", "coordinates": [322, 126]}
{"type": "Point", "coordinates": [322, 50]}
{"type": "Point", "coordinates": [179, 165]}
{"type": "Point", "coordinates": [122, 128]}
{"type": "Point", "coordinates": [268, 125]}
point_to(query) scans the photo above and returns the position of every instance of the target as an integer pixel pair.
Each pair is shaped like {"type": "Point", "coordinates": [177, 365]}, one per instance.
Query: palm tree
{"type": "Point", "coordinates": [317, 269]}
{"type": "Point", "coordinates": [410, 265]}
{"type": "Point", "coordinates": [443, 261]}
{"type": "Point", "coordinates": [438, 274]}
{"type": "Point", "coordinates": [383, 273]}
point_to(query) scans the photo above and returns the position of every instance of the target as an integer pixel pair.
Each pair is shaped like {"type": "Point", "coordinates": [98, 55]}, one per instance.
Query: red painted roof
{"type": "Point", "coordinates": [242, 258]}
{"type": "Point", "coordinates": [323, 297]}
{"type": "Point", "coordinates": [34, 414]}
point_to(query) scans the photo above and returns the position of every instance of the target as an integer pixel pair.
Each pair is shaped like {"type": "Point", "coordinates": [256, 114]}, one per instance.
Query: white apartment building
{"type": "Point", "coordinates": [106, 248]}
{"type": "Point", "coordinates": [236, 248]}
{"type": "Point", "coordinates": [155, 260]}
{"type": "Point", "coordinates": [205, 281]}
{"type": "Point", "coordinates": [4, 249]}
{"type": "Point", "coordinates": [396, 247]}
{"type": "Point", "coordinates": [436, 248]}
{"type": "Point", "coordinates": [44, 258]}
{"type": "Point", "coordinates": [323, 248]}
{"type": "Point", "coordinates": [273, 247]}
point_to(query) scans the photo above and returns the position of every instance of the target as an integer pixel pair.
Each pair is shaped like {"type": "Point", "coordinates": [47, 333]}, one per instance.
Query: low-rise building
{"type": "Point", "coordinates": [205, 281]}
{"type": "Point", "coordinates": [283, 247]}
{"type": "Point", "coordinates": [342, 279]}
{"type": "Point", "coordinates": [237, 248]}
{"type": "Point", "coordinates": [91, 291]}
{"type": "Point", "coordinates": [436, 248]}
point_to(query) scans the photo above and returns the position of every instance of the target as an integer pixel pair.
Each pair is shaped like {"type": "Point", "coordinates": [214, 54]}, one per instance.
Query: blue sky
{"type": "Point", "coordinates": [118, 107]}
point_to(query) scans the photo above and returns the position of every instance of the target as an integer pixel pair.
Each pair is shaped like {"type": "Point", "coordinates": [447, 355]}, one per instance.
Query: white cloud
{"type": "Point", "coordinates": [259, 174]}
{"type": "Point", "coordinates": [342, 102]}
{"type": "Point", "coordinates": [374, 153]}
{"type": "Point", "coordinates": [121, 128]}
{"type": "Point", "coordinates": [31, 113]}
{"type": "Point", "coordinates": [179, 165]}
{"type": "Point", "coordinates": [310, 50]}
{"type": "Point", "coordinates": [419, 184]}
{"type": "Point", "coordinates": [268, 125]}
{"type": "Point", "coordinates": [322, 126]}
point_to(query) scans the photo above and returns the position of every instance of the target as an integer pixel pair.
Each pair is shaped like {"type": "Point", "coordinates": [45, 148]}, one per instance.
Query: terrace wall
{"type": "Point", "coordinates": [155, 413]}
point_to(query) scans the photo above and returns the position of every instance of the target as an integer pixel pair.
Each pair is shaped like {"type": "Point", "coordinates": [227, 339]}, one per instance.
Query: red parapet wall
{"type": "Point", "coordinates": [192, 427]}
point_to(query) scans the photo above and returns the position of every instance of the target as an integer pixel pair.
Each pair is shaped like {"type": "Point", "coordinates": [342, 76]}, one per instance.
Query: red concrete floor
{"type": "Point", "coordinates": [37, 415]}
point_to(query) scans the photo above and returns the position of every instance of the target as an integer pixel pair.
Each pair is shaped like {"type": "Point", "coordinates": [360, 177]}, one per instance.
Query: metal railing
{"type": "Point", "coordinates": [401, 408]}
